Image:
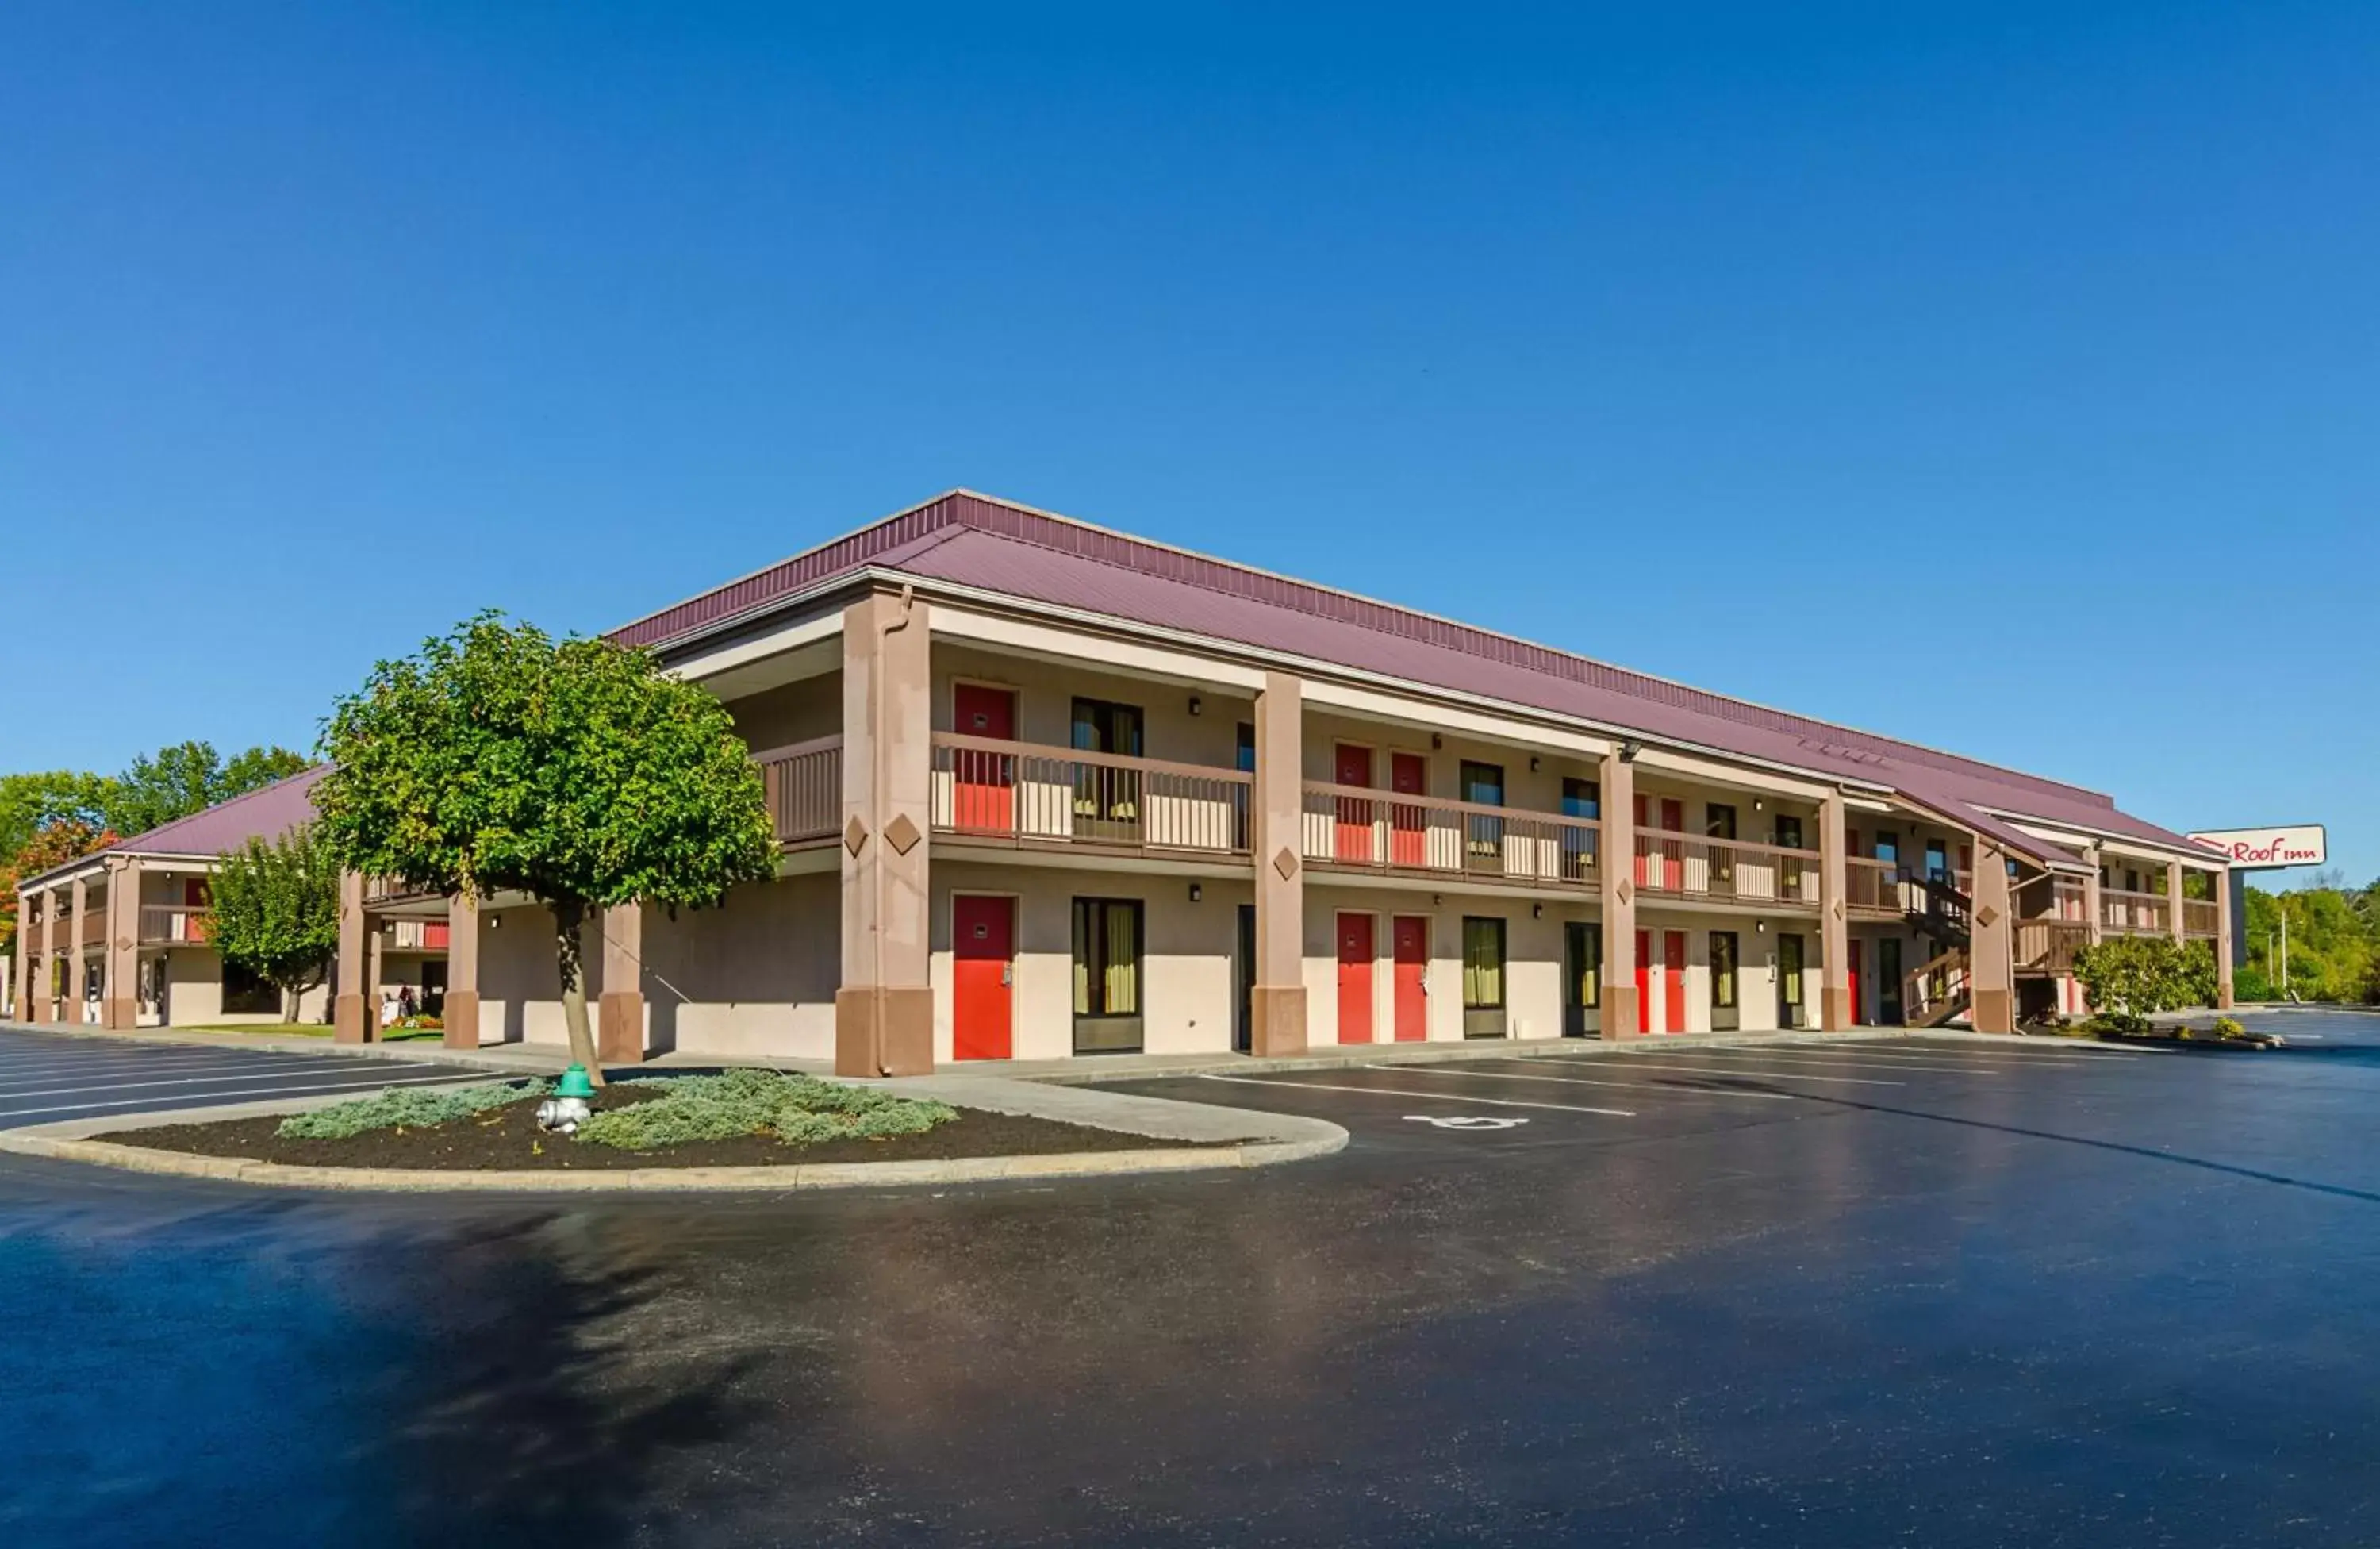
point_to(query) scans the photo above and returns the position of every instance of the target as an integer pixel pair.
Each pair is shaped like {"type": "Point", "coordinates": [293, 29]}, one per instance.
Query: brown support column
{"type": "Point", "coordinates": [24, 1001]}
{"type": "Point", "coordinates": [2173, 899]}
{"type": "Point", "coordinates": [119, 1004]}
{"type": "Point", "coordinates": [45, 994]}
{"type": "Point", "coordinates": [620, 1015]}
{"type": "Point", "coordinates": [1276, 838]}
{"type": "Point", "coordinates": [354, 1016]}
{"type": "Point", "coordinates": [1990, 975]}
{"type": "Point", "coordinates": [1836, 1012]}
{"type": "Point", "coordinates": [2223, 927]}
{"type": "Point", "coordinates": [462, 1013]}
{"type": "Point", "coordinates": [1618, 797]}
{"type": "Point", "coordinates": [76, 968]}
{"type": "Point", "coordinates": [884, 1010]}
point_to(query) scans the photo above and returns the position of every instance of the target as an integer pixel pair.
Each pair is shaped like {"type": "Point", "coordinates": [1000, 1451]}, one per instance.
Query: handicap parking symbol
{"type": "Point", "coordinates": [1463, 1121]}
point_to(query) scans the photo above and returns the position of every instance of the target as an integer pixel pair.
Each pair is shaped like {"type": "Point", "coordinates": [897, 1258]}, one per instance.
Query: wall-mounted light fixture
{"type": "Point", "coordinates": [1629, 750]}
{"type": "Point", "coordinates": [1438, 900]}
{"type": "Point", "coordinates": [1533, 764]}
{"type": "Point", "coordinates": [495, 921]}
{"type": "Point", "coordinates": [1197, 893]}
{"type": "Point", "coordinates": [1197, 704]}
{"type": "Point", "coordinates": [1758, 805]}
{"type": "Point", "coordinates": [1436, 740]}
{"type": "Point", "coordinates": [1760, 927]}
{"type": "Point", "coordinates": [1537, 911]}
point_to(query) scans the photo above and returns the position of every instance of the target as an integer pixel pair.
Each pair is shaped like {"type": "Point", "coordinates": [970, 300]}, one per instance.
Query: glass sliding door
{"type": "Point", "coordinates": [1483, 977]}
{"type": "Point", "coordinates": [1727, 1010]}
{"type": "Point", "coordinates": [1107, 975]}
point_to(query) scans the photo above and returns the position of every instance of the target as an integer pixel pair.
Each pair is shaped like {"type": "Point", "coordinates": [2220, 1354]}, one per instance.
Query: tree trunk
{"type": "Point", "coordinates": [289, 1005]}
{"type": "Point", "coordinates": [568, 919]}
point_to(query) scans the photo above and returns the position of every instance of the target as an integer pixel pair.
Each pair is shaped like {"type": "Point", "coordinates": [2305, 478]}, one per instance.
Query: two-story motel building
{"type": "Point", "coordinates": [1049, 790]}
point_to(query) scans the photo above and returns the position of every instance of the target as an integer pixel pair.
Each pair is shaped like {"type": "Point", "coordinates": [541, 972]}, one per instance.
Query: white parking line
{"type": "Point", "coordinates": [1431, 1096]}
{"type": "Point", "coordinates": [1975, 1060]}
{"type": "Point", "coordinates": [8, 1114]}
{"type": "Point", "coordinates": [1834, 1059]}
{"type": "Point", "coordinates": [240, 1076]}
{"type": "Point", "coordinates": [1590, 1082]}
{"type": "Point", "coordinates": [10, 1068]}
{"type": "Point", "coordinates": [1668, 1062]}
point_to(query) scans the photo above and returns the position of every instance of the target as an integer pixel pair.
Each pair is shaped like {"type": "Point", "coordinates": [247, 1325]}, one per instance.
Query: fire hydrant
{"type": "Point", "coordinates": [568, 1107]}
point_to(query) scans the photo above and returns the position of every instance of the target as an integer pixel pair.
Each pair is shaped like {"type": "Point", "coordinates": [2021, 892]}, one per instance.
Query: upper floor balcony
{"type": "Point", "coordinates": [173, 925]}
{"type": "Point", "coordinates": [1352, 828]}
{"type": "Point", "coordinates": [2126, 913]}
{"type": "Point", "coordinates": [995, 790]}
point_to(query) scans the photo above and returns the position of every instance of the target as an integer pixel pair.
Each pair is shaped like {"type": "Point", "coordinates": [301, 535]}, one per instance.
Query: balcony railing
{"type": "Point", "coordinates": [2048, 946]}
{"type": "Point", "coordinates": [1872, 886]}
{"type": "Point", "coordinates": [93, 931]}
{"type": "Point", "coordinates": [419, 935]}
{"type": "Point", "coordinates": [1023, 794]}
{"type": "Point", "coordinates": [1352, 826]}
{"type": "Point", "coordinates": [805, 787]}
{"type": "Point", "coordinates": [2132, 914]}
{"type": "Point", "coordinates": [2201, 917]}
{"type": "Point", "coordinates": [172, 925]}
{"type": "Point", "coordinates": [1692, 866]}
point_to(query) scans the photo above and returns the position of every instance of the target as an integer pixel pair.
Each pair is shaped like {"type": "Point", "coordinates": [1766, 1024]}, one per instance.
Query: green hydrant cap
{"type": "Point", "coordinates": [574, 1083]}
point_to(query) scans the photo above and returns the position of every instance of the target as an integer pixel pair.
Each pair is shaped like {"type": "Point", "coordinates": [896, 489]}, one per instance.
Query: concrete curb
{"type": "Point", "coordinates": [1260, 1139]}
{"type": "Point", "coordinates": [672, 1180]}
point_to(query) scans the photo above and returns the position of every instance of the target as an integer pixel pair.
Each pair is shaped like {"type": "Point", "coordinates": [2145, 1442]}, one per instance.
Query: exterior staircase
{"type": "Point", "coordinates": [1937, 991]}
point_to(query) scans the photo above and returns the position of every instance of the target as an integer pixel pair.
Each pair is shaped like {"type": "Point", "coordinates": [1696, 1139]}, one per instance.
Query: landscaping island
{"type": "Point", "coordinates": [739, 1118]}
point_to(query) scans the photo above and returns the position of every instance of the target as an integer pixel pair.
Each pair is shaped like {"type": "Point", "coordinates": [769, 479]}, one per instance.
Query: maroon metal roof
{"type": "Point", "coordinates": [972, 539]}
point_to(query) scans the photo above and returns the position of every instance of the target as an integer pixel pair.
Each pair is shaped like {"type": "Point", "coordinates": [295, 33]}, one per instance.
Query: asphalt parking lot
{"type": "Point", "coordinates": [1594, 1097]}
{"type": "Point", "coordinates": [46, 1078]}
{"type": "Point", "coordinates": [1915, 1292]}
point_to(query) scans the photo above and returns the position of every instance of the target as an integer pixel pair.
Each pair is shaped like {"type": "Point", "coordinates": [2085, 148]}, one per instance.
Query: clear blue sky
{"type": "Point", "coordinates": [1999, 376]}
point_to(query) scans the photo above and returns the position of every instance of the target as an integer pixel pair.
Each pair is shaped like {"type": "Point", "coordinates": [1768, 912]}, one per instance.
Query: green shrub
{"type": "Point", "coordinates": [407, 1108]}
{"type": "Point", "coordinates": [2228, 1027]}
{"type": "Point", "coordinates": [798, 1110]}
{"type": "Point", "coordinates": [2128, 976]}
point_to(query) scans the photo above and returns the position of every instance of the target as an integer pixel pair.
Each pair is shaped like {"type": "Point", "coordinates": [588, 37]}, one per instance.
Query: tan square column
{"type": "Point", "coordinates": [1991, 975]}
{"type": "Point", "coordinates": [76, 968]}
{"type": "Point", "coordinates": [2173, 899]}
{"type": "Point", "coordinates": [2094, 914]}
{"type": "Point", "coordinates": [1618, 800]}
{"type": "Point", "coordinates": [620, 1015]}
{"type": "Point", "coordinates": [119, 1004]}
{"type": "Point", "coordinates": [2223, 928]}
{"type": "Point", "coordinates": [1276, 839]}
{"type": "Point", "coordinates": [45, 994]}
{"type": "Point", "coordinates": [462, 1013]}
{"type": "Point", "coordinates": [884, 1010]}
{"type": "Point", "coordinates": [354, 1016]}
{"type": "Point", "coordinates": [24, 962]}
{"type": "Point", "coordinates": [1836, 1012]}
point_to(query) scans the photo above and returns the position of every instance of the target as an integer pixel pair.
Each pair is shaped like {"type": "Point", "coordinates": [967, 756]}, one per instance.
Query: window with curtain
{"type": "Point", "coordinates": [1584, 800]}
{"type": "Point", "coordinates": [1107, 957]}
{"type": "Point", "coordinates": [1482, 964]}
{"type": "Point", "coordinates": [1107, 800]}
{"type": "Point", "coordinates": [1483, 784]}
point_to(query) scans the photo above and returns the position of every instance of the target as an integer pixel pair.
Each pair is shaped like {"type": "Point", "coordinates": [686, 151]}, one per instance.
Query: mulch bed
{"type": "Point", "coordinates": [507, 1139]}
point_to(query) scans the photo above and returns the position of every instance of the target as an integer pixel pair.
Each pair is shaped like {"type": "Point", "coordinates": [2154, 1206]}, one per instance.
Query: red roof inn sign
{"type": "Point", "coordinates": [2256, 850]}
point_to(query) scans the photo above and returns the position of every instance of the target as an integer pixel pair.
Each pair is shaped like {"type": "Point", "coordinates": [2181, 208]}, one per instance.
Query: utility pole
{"type": "Point", "coordinates": [2287, 993]}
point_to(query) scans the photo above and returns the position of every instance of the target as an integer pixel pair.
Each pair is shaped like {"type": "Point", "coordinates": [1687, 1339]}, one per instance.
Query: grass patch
{"type": "Point", "coordinates": [407, 1108]}
{"type": "Point", "coordinates": [796, 1110]}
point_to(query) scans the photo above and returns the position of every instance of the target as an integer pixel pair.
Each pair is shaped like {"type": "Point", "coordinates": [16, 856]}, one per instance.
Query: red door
{"type": "Point", "coordinates": [1673, 851]}
{"type": "Point", "coordinates": [1354, 978]}
{"type": "Point", "coordinates": [1408, 839]}
{"type": "Point", "coordinates": [1411, 942]}
{"type": "Point", "coordinates": [1673, 977]}
{"type": "Point", "coordinates": [983, 959]}
{"type": "Point", "coordinates": [983, 796]}
{"type": "Point", "coordinates": [1352, 767]}
{"type": "Point", "coordinates": [1851, 958]}
{"type": "Point", "coordinates": [1643, 981]}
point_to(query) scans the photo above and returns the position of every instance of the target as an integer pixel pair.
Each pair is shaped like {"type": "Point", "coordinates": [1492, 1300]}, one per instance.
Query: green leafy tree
{"type": "Point", "coordinates": [497, 759]}
{"type": "Point", "coordinates": [32, 802]}
{"type": "Point", "coordinates": [274, 910]}
{"type": "Point", "coordinates": [188, 777]}
{"type": "Point", "coordinates": [2334, 946]}
{"type": "Point", "coordinates": [2128, 976]}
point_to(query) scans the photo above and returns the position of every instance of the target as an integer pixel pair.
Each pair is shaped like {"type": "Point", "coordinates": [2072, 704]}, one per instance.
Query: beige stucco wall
{"type": "Point", "coordinates": [194, 991]}
{"type": "Point", "coordinates": [795, 711]}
